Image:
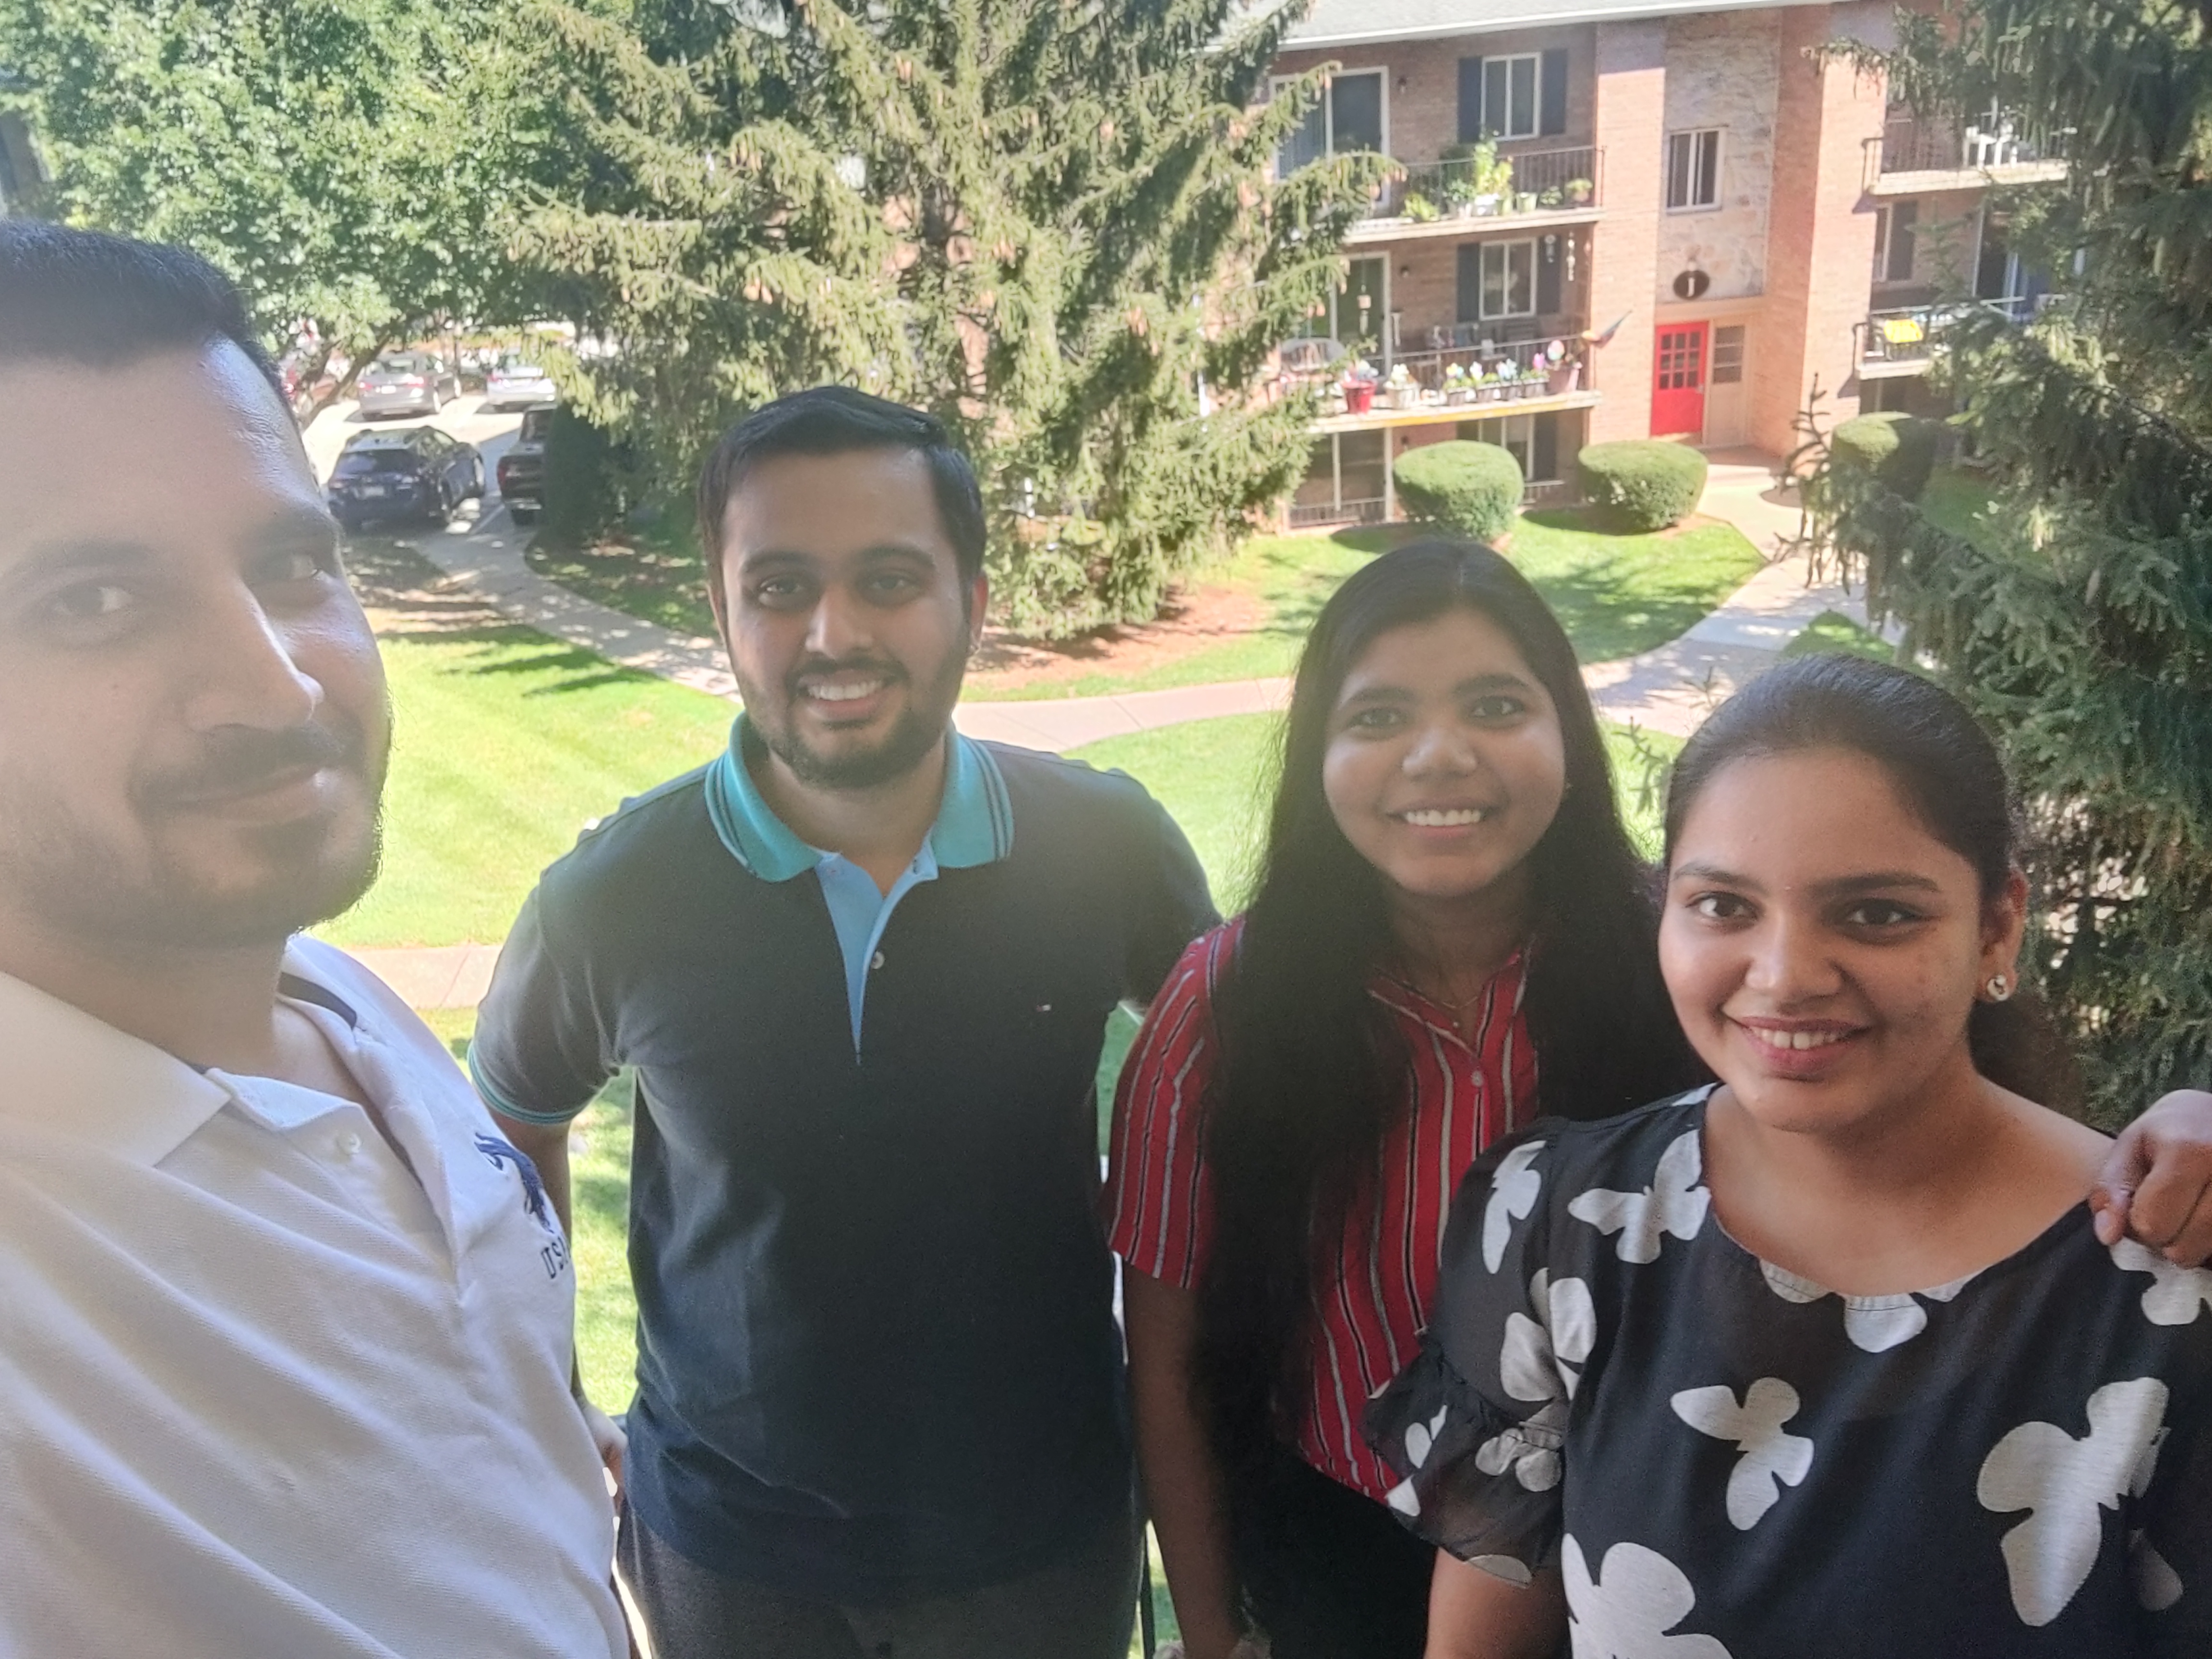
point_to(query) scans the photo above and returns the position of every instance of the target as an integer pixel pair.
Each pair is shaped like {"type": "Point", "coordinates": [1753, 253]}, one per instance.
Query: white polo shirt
{"type": "Point", "coordinates": [266, 1392]}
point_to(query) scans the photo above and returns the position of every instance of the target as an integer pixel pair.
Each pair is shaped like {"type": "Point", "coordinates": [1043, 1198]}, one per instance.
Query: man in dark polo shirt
{"type": "Point", "coordinates": [862, 966]}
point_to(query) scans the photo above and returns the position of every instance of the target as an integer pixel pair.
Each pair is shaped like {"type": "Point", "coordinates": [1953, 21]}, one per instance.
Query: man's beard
{"type": "Point", "coordinates": [908, 743]}
{"type": "Point", "coordinates": [65, 875]}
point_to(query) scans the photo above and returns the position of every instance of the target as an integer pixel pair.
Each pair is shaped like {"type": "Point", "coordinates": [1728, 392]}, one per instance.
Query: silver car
{"type": "Point", "coordinates": [517, 385]}
{"type": "Point", "coordinates": [408, 383]}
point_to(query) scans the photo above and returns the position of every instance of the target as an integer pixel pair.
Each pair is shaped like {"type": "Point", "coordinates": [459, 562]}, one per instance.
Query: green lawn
{"type": "Point", "coordinates": [1616, 594]}
{"type": "Point", "coordinates": [1833, 631]}
{"type": "Point", "coordinates": [1619, 595]}
{"type": "Point", "coordinates": [507, 744]}
{"type": "Point", "coordinates": [657, 574]}
{"type": "Point", "coordinates": [1954, 501]}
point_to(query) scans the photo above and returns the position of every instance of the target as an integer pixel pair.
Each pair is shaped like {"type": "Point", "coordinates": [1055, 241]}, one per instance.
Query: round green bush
{"type": "Point", "coordinates": [1897, 450]}
{"type": "Point", "coordinates": [1469, 489]}
{"type": "Point", "coordinates": [1646, 484]}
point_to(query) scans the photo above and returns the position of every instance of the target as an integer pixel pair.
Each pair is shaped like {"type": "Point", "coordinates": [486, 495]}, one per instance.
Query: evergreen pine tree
{"type": "Point", "coordinates": [2077, 619]}
{"type": "Point", "coordinates": [1051, 222]}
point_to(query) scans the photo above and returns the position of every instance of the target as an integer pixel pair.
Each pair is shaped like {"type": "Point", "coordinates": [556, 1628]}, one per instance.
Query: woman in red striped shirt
{"type": "Point", "coordinates": [1448, 906]}
{"type": "Point", "coordinates": [1448, 897]}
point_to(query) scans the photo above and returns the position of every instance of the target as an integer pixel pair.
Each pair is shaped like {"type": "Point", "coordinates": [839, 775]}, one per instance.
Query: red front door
{"type": "Point", "coordinates": [1678, 385]}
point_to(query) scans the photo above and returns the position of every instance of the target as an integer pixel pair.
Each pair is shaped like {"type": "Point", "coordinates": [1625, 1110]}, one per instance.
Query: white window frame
{"type": "Point", "coordinates": [1713, 354]}
{"type": "Point", "coordinates": [1482, 277]}
{"type": "Point", "coordinates": [1536, 62]}
{"type": "Point", "coordinates": [1693, 138]}
{"type": "Point", "coordinates": [1276, 83]}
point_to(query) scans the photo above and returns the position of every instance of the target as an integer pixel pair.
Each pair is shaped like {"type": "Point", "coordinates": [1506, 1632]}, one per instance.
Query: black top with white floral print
{"type": "Point", "coordinates": [1728, 1461]}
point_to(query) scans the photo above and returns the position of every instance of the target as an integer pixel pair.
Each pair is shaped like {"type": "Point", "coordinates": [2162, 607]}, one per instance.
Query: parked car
{"type": "Point", "coordinates": [302, 392]}
{"type": "Point", "coordinates": [408, 383]}
{"type": "Point", "coordinates": [522, 469]}
{"type": "Point", "coordinates": [419, 473]}
{"type": "Point", "coordinates": [513, 383]}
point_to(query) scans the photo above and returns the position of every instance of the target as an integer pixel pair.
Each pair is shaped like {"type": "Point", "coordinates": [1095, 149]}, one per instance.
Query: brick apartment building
{"type": "Point", "coordinates": [1754, 218]}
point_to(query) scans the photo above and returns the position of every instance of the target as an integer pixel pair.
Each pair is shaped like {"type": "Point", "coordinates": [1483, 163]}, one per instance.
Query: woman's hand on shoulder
{"type": "Point", "coordinates": [2157, 1183]}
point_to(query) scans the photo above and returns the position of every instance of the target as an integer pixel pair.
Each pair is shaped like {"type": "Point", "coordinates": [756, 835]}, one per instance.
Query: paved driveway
{"type": "Point", "coordinates": [464, 418]}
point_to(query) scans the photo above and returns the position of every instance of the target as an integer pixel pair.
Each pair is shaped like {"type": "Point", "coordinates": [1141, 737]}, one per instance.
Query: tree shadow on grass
{"type": "Point", "coordinates": [512, 649]}
{"type": "Point", "coordinates": [1293, 616]}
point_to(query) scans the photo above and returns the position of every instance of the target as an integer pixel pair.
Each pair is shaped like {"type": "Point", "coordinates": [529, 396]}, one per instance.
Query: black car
{"type": "Point", "coordinates": [522, 469]}
{"type": "Point", "coordinates": [418, 473]}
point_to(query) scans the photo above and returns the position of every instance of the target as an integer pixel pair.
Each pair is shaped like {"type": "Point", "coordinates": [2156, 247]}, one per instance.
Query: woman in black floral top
{"type": "Point", "coordinates": [1826, 1360]}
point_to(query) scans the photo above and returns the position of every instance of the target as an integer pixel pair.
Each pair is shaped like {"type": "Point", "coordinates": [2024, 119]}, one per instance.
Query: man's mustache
{"type": "Point", "coordinates": [236, 760]}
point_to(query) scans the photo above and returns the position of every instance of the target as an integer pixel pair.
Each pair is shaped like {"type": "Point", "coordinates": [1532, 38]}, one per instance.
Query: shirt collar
{"type": "Point", "coordinates": [974, 823]}
{"type": "Point", "coordinates": [74, 1074]}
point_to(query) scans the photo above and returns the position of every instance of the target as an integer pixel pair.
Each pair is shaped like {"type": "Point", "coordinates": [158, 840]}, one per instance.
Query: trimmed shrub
{"type": "Point", "coordinates": [1898, 451]}
{"type": "Point", "coordinates": [1644, 484]}
{"type": "Point", "coordinates": [1469, 489]}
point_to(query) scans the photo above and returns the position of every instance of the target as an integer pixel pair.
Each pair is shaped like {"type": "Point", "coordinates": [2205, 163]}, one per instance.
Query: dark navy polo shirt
{"type": "Point", "coordinates": [877, 1358]}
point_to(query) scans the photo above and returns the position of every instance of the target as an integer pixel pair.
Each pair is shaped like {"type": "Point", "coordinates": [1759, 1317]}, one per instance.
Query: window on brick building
{"type": "Point", "coordinates": [1522, 96]}
{"type": "Point", "coordinates": [1349, 116]}
{"type": "Point", "coordinates": [1509, 280]}
{"type": "Point", "coordinates": [1694, 169]}
{"type": "Point", "coordinates": [1894, 232]}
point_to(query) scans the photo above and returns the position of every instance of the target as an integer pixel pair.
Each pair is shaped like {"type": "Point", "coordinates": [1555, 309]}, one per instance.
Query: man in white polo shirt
{"type": "Point", "coordinates": [285, 1324]}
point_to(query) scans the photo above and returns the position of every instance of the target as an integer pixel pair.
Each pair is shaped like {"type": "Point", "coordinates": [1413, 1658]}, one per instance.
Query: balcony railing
{"type": "Point", "coordinates": [1308, 515]}
{"type": "Point", "coordinates": [1507, 373]}
{"type": "Point", "coordinates": [1543, 181]}
{"type": "Point", "coordinates": [1937, 144]}
{"type": "Point", "coordinates": [1913, 334]}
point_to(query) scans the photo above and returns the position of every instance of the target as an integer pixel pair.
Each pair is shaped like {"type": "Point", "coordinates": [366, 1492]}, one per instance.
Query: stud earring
{"type": "Point", "coordinates": [1998, 988]}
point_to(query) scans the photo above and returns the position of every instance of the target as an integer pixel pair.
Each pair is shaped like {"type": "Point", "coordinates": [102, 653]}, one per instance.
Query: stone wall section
{"type": "Point", "coordinates": [1723, 71]}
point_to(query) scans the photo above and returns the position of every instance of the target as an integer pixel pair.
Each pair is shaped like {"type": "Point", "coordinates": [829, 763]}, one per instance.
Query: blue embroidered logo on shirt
{"type": "Point", "coordinates": [498, 1154]}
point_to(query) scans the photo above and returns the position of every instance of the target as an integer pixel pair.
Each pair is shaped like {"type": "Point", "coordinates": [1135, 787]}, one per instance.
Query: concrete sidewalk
{"type": "Point", "coordinates": [1669, 689]}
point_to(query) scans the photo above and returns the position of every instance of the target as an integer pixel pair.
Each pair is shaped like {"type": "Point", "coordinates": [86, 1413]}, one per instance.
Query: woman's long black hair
{"type": "Point", "coordinates": [1310, 1079]}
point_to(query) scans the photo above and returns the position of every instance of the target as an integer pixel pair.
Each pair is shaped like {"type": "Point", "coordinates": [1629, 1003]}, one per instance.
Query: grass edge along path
{"type": "Point", "coordinates": [1617, 594]}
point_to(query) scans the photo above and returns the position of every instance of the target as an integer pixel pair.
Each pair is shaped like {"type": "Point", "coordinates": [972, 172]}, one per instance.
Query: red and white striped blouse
{"type": "Point", "coordinates": [1466, 1092]}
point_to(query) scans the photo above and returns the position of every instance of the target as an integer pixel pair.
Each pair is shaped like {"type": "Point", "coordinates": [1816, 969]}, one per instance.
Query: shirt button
{"type": "Point", "coordinates": [875, 961]}
{"type": "Point", "coordinates": [350, 1145]}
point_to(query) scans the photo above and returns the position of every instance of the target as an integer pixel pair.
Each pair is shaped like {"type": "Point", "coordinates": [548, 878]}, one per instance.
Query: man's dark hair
{"type": "Point", "coordinates": [82, 296]}
{"type": "Point", "coordinates": [836, 420]}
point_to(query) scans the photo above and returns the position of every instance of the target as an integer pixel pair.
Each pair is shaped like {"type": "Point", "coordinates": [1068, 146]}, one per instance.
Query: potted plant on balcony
{"type": "Point", "coordinates": [1563, 374]}
{"type": "Point", "coordinates": [1359, 387]}
{"type": "Point", "coordinates": [1550, 197]}
{"type": "Point", "coordinates": [1399, 391]}
{"type": "Point", "coordinates": [1418, 208]}
{"type": "Point", "coordinates": [1524, 201]}
{"type": "Point", "coordinates": [1508, 379]}
{"type": "Point", "coordinates": [1493, 176]}
{"type": "Point", "coordinates": [1579, 192]}
{"type": "Point", "coordinates": [1455, 388]}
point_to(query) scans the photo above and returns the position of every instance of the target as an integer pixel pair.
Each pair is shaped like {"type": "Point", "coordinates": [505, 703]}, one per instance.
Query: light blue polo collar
{"type": "Point", "coordinates": [974, 825]}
